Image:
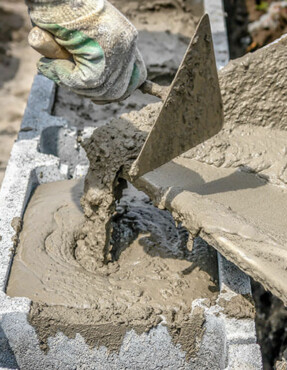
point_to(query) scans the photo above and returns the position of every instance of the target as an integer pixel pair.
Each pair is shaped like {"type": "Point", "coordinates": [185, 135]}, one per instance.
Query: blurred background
{"type": "Point", "coordinates": [17, 69]}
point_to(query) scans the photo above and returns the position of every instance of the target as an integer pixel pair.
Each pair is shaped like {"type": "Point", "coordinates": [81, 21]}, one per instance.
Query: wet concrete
{"type": "Point", "coordinates": [101, 287]}
{"type": "Point", "coordinates": [253, 90]}
{"type": "Point", "coordinates": [241, 213]}
{"type": "Point", "coordinates": [153, 278]}
{"type": "Point", "coordinates": [189, 333]}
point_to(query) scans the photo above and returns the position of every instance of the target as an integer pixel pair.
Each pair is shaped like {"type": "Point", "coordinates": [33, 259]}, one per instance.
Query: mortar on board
{"type": "Point", "coordinates": [190, 334]}
{"type": "Point", "coordinates": [152, 281]}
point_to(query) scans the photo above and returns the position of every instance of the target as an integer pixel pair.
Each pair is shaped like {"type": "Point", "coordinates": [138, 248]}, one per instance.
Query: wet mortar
{"type": "Point", "coordinates": [271, 314]}
{"type": "Point", "coordinates": [152, 279]}
{"type": "Point", "coordinates": [141, 276]}
{"type": "Point", "coordinates": [127, 282]}
{"type": "Point", "coordinates": [99, 204]}
{"type": "Point", "coordinates": [255, 146]}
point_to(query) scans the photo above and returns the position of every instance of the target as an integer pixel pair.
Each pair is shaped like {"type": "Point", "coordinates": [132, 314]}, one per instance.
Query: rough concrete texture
{"type": "Point", "coordinates": [215, 10]}
{"type": "Point", "coordinates": [19, 339]}
{"type": "Point", "coordinates": [109, 149]}
{"type": "Point", "coordinates": [153, 350]}
{"type": "Point", "coordinates": [243, 351]}
{"type": "Point", "coordinates": [220, 348]}
{"type": "Point", "coordinates": [254, 135]}
{"type": "Point", "coordinates": [153, 279]}
{"type": "Point", "coordinates": [241, 214]}
{"type": "Point", "coordinates": [226, 208]}
{"type": "Point", "coordinates": [26, 169]}
{"type": "Point", "coordinates": [209, 353]}
{"type": "Point", "coordinates": [253, 141]}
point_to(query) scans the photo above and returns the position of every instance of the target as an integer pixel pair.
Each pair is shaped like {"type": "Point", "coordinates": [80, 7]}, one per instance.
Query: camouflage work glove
{"type": "Point", "coordinates": [106, 64]}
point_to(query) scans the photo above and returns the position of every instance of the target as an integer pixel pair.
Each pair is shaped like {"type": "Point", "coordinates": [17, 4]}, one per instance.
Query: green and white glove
{"type": "Point", "coordinates": [106, 65]}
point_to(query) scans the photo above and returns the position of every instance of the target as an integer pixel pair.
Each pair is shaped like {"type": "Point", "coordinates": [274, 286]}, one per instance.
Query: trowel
{"type": "Point", "coordinates": [192, 106]}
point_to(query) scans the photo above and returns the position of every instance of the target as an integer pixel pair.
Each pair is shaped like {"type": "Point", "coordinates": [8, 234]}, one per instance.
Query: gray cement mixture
{"type": "Point", "coordinates": [110, 151]}
{"type": "Point", "coordinates": [87, 282]}
{"type": "Point", "coordinates": [153, 278]}
{"type": "Point", "coordinates": [94, 272]}
{"type": "Point", "coordinates": [250, 204]}
{"type": "Point", "coordinates": [254, 137]}
{"type": "Point", "coordinates": [100, 287]}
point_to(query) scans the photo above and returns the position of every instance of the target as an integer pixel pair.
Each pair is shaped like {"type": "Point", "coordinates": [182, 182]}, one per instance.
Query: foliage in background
{"type": "Point", "coordinates": [263, 6]}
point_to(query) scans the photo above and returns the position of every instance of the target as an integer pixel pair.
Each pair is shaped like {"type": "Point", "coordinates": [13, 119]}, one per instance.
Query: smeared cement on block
{"type": "Point", "coordinates": [151, 280]}
{"type": "Point", "coordinates": [241, 214]}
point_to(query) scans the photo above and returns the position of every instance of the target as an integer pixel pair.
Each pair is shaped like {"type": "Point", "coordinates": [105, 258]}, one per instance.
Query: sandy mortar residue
{"type": "Point", "coordinates": [153, 278]}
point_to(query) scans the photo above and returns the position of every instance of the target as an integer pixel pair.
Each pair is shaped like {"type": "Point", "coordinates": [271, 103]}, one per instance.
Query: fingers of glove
{"type": "Point", "coordinates": [129, 79]}
{"type": "Point", "coordinates": [47, 68]}
{"type": "Point", "coordinates": [141, 67]}
{"type": "Point", "coordinates": [66, 72]}
{"type": "Point", "coordinates": [139, 74]}
{"type": "Point", "coordinates": [113, 83]}
{"type": "Point", "coordinates": [75, 77]}
{"type": "Point", "coordinates": [79, 77]}
{"type": "Point", "coordinates": [92, 75]}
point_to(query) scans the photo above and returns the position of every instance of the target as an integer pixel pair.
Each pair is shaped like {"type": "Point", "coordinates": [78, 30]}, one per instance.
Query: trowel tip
{"type": "Point", "coordinates": [134, 171]}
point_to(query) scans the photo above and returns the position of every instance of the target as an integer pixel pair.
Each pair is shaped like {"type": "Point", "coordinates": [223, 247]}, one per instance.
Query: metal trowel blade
{"type": "Point", "coordinates": [192, 111]}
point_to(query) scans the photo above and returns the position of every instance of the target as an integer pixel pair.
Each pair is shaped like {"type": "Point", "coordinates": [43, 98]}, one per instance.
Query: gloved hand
{"type": "Point", "coordinates": [106, 65]}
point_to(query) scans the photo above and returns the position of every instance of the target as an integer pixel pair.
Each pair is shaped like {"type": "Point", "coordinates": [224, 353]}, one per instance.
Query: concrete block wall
{"type": "Point", "coordinates": [243, 351]}
{"type": "Point", "coordinates": [215, 10]}
{"type": "Point", "coordinates": [228, 343]}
